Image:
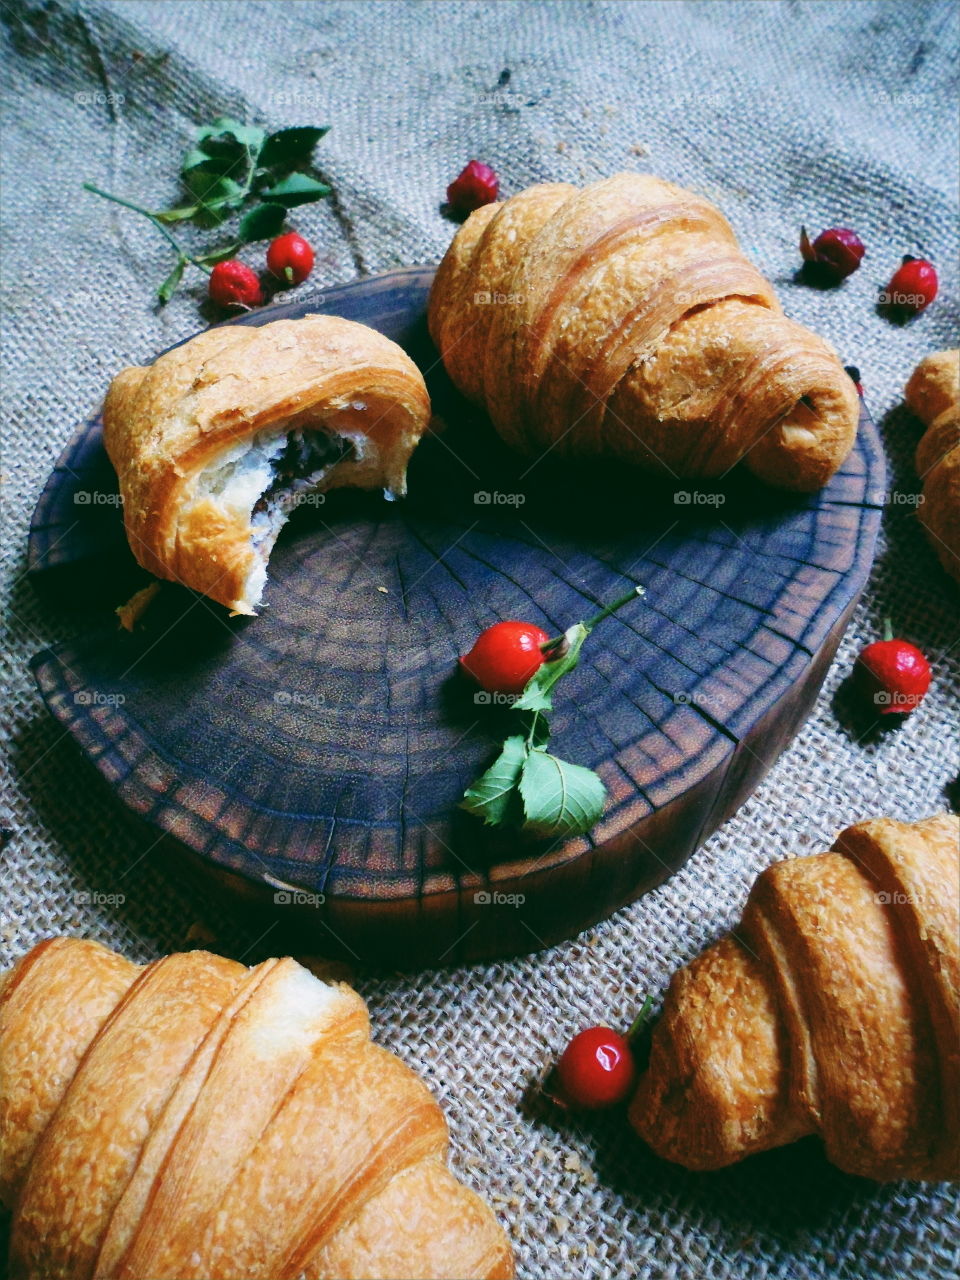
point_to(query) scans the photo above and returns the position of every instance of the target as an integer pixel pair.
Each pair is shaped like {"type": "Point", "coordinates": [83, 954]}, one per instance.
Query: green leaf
{"type": "Point", "coordinates": [225, 134]}
{"type": "Point", "coordinates": [262, 222]}
{"type": "Point", "coordinates": [168, 288]}
{"type": "Point", "coordinates": [286, 146]}
{"type": "Point", "coordinates": [296, 188]}
{"type": "Point", "coordinates": [493, 797]}
{"type": "Point", "coordinates": [219, 255]}
{"type": "Point", "coordinates": [536, 694]}
{"type": "Point", "coordinates": [559, 798]}
{"type": "Point", "coordinates": [211, 188]}
{"type": "Point", "coordinates": [183, 214]}
{"type": "Point", "coordinates": [193, 159]}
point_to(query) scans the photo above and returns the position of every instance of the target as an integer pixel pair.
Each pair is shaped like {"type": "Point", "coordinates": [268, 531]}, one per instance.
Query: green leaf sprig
{"type": "Point", "coordinates": [526, 786]}
{"type": "Point", "coordinates": [231, 167]}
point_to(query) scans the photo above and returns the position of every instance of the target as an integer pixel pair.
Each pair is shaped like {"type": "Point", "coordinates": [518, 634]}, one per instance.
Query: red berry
{"type": "Point", "coordinates": [834, 255]}
{"type": "Point", "coordinates": [913, 286]}
{"type": "Point", "coordinates": [290, 258]}
{"type": "Point", "coordinates": [505, 656]}
{"type": "Point", "coordinates": [895, 674]}
{"type": "Point", "coordinates": [234, 284]}
{"type": "Point", "coordinates": [597, 1069]}
{"type": "Point", "coordinates": [476, 185]}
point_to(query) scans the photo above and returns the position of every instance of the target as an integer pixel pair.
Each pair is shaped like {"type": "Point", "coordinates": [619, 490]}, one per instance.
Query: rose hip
{"type": "Point", "coordinates": [505, 656]}
{"type": "Point", "coordinates": [834, 255]}
{"type": "Point", "coordinates": [234, 284]}
{"type": "Point", "coordinates": [912, 287]}
{"type": "Point", "coordinates": [894, 674]}
{"type": "Point", "coordinates": [476, 185]}
{"type": "Point", "coordinates": [290, 258]}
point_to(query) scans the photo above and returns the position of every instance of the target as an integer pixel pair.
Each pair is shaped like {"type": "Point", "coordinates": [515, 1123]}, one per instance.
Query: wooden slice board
{"type": "Point", "coordinates": [325, 744]}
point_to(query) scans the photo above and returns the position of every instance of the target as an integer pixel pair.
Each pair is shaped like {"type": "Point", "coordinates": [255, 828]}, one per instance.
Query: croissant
{"type": "Point", "coordinates": [195, 1118]}
{"type": "Point", "coordinates": [831, 1009]}
{"type": "Point", "coordinates": [933, 393]}
{"type": "Point", "coordinates": [623, 320]}
{"type": "Point", "coordinates": [218, 440]}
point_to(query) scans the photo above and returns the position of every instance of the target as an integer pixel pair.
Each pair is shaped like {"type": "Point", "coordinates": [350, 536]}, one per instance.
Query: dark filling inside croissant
{"type": "Point", "coordinates": [295, 469]}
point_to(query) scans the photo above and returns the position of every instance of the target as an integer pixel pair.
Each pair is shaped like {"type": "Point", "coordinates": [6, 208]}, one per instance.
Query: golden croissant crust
{"type": "Point", "coordinates": [623, 320]}
{"type": "Point", "coordinates": [196, 1119]}
{"type": "Point", "coordinates": [933, 393]}
{"type": "Point", "coordinates": [218, 440]}
{"type": "Point", "coordinates": [833, 1008]}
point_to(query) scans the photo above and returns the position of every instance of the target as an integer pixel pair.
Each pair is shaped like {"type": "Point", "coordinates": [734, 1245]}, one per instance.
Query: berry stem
{"type": "Point", "coordinates": [887, 629]}
{"type": "Point", "coordinates": [589, 625]}
{"type": "Point", "coordinates": [128, 204]}
{"type": "Point", "coordinates": [640, 1019]}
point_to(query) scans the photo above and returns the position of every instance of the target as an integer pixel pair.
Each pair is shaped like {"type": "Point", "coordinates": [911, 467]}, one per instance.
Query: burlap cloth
{"type": "Point", "coordinates": [830, 114]}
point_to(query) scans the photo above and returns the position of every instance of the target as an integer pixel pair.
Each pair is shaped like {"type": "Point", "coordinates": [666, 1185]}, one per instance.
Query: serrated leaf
{"type": "Point", "coordinates": [167, 289]}
{"type": "Point", "coordinates": [559, 798]}
{"type": "Point", "coordinates": [225, 133]}
{"type": "Point", "coordinates": [536, 695]}
{"type": "Point", "coordinates": [289, 145]}
{"type": "Point", "coordinates": [493, 797]}
{"type": "Point", "coordinates": [296, 188]}
{"type": "Point", "coordinates": [262, 222]}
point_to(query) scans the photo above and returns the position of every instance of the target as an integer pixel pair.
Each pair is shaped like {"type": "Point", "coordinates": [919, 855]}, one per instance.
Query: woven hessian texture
{"type": "Point", "coordinates": [827, 114]}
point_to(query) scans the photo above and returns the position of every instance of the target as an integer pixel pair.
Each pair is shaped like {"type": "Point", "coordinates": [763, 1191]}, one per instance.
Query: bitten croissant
{"type": "Point", "coordinates": [217, 441]}
{"type": "Point", "coordinates": [195, 1118]}
{"type": "Point", "coordinates": [833, 1008]}
{"type": "Point", "coordinates": [933, 393]}
{"type": "Point", "coordinates": [623, 320]}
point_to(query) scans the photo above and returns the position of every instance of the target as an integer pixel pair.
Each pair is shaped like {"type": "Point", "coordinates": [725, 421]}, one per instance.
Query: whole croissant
{"type": "Point", "coordinates": [831, 1009]}
{"type": "Point", "coordinates": [933, 393]}
{"type": "Point", "coordinates": [195, 1118]}
{"type": "Point", "coordinates": [623, 320]}
{"type": "Point", "coordinates": [219, 439]}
